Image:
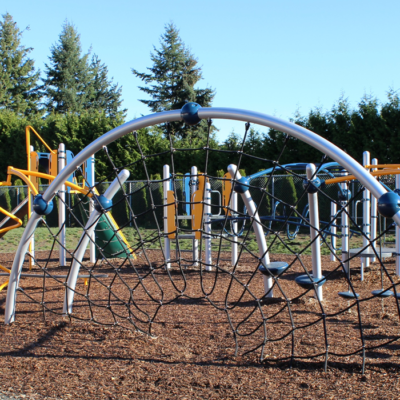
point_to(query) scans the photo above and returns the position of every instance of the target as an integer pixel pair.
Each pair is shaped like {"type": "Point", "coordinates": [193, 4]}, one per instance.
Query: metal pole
{"type": "Point", "coordinates": [167, 242]}
{"type": "Point", "coordinates": [61, 208]}
{"type": "Point", "coordinates": [84, 241]}
{"type": "Point", "coordinates": [333, 230]}
{"type": "Point", "coordinates": [257, 227]}
{"type": "Point", "coordinates": [90, 177]}
{"type": "Point", "coordinates": [374, 214]}
{"type": "Point", "coordinates": [314, 233]}
{"type": "Point", "coordinates": [366, 226]}
{"type": "Point", "coordinates": [194, 187]}
{"type": "Point", "coordinates": [234, 208]}
{"type": "Point", "coordinates": [345, 228]}
{"type": "Point", "coordinates": [207, 228]}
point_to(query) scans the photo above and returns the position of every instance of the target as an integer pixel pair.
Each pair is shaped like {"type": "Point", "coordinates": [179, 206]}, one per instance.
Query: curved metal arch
{"type": "Point", "coordinates": [311, 138]}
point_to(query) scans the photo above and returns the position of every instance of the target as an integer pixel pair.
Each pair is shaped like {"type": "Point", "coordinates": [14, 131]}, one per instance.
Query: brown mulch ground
{"type": "Point", "coordinates": [192, 351]}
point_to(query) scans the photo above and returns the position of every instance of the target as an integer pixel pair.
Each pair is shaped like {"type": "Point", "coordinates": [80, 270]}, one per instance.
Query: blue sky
{"type": "Point", "coordinates": [270, 56]}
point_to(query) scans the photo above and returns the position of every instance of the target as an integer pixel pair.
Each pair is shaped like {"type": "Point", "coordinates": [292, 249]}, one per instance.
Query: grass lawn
{"type": "Point", "coordinates": [44, 241]}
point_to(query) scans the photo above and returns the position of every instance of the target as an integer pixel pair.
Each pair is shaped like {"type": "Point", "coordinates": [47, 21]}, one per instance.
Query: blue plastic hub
{"type": "Point", "coordinates": [102, 204]}
{"type": "Point", "coordinates": [344, 195]}
{"type": "Point", "coordinates": [242, 185]}
{"type": "Point", "coordinates": [306, 283]}
{"type": "Point", "coordinates": [274, 268]}
{"type": "Point", "coordinates": [389, 204]}
{"type": "Point", "coordinates": [41, 207]}
{"type": "Point", "coordinates": [312, 186]}
{"type": "Point", "coordinates": [189, 113]}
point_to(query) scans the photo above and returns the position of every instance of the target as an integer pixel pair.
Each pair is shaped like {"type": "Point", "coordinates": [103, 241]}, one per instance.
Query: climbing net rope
{"type": "Point", "coordinates": [141, 266]}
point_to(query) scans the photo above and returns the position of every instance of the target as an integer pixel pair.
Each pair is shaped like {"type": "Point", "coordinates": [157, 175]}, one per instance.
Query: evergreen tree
{"type": "Point", "coordinates": [18, 79]}
{"type": "Point", "coordinates": [172, 79]}
{"type": "Point", "coordinates": [102, 93]}
{"type": "Point", "coordinates": [68, 74]}
{"type": "Point", "coordinates": [72, 84]}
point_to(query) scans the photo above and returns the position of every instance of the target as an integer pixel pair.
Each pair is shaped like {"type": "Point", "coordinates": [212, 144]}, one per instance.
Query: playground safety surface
{"type": "Point", "coordinates": [191, 355]}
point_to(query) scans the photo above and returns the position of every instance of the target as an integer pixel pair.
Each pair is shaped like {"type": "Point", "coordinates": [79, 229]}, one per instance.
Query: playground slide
{"type": "Point", "coordinates": [20, 211]}
{"type": "Point", "coordinates": [118, 246]}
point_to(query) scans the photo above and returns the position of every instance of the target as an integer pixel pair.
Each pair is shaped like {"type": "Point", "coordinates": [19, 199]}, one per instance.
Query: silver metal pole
{"type": "Point", "coordinates": [333, 230]}
{"type": "Point", "coordinates": [194, 187]}
{"type": "Point", "coordinates": [167, 242]}
{"type": "Point", "coordinates": [366, 217]}
{"type": "Point", "coordinates": [61, 209]}
{"type": "Point", "coordinates": [374, 214]}
{"type": "Point", "coordinates": [84, 241]}
{"type": "Point", "coordinates": [234, 208]}
{"type": "Point", "coordinates": [92, 181]}
{"type": "Point", "coordinates": [207, 228]}
{"type": "Point", "coordinates": [345, 228]}
{"type": "Point", "coordinates": [314, 233]}
{"type": "Point", "coordinates": [258, 230]}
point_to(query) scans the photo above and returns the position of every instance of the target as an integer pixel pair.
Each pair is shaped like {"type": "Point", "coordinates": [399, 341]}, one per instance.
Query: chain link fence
{"type": "Point", "coordinates": [281, 190]}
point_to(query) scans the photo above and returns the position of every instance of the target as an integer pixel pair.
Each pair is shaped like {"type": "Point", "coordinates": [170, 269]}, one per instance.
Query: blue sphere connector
{"type": "Point", "coordinates": [102, 204]}
{"type": "Point", "coordinates": [189, 113]}
{"type": "Point", "coordinates": [312, 186]}
{"type": "Point", "coordinates": [242, 185]}
{"type": "Point", "coordinates": [41, 207]}
{"type": "Point", "coordinates": [344, 195]}
{"type": "Point", "coordinates": [389, 204]}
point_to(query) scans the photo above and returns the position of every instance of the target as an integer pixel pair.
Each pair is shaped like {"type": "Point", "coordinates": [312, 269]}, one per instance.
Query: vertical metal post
{"type": "Point", "coordinates": [314, 233]}
{"type": "Point", "coordinates": [257, 227]}
{"type": "Point", "coordinates": [194, 187]}
{"type": "Point", "coordinates": [207, 227]}
{"type": "Point", "coordinates": [32, 242]}
{"type": "Point", "coordinates": [61, 209]}
{"type": "Point", "coordinates": [333, 230]}
{"type": "Point", "coordinates": [234, 208]}
{"type": "Point", "coordinates": [167, 242]}
{"type": "Point", "coordinates": [90, 177]}
{"type": "Point", "coordinates": [374, 214]}
{"type": "Point", "coordinates": [366, 226]}
{"type": "Point", "coordinates": [345, 227]}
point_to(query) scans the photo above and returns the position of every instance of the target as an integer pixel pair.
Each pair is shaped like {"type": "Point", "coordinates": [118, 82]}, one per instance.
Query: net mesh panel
{"type": "Point", "coordinates": [130, 287]}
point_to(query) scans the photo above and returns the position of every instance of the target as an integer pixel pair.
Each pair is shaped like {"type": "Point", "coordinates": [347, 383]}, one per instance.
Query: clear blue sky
{"type": "Point", "coordinates": [270, 56]}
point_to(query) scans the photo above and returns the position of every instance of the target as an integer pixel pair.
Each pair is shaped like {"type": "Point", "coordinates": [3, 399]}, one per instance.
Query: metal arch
{"type": "Point", "coordinates": [299, 132]}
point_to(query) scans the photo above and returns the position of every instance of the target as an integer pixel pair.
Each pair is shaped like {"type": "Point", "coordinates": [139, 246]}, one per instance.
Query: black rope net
{"type": "Point", "coordinates": [132, 286]}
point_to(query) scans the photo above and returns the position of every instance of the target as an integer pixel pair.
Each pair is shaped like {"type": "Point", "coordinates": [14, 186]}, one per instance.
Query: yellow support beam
{"type": "Point", "coordinates": [23, 174]}
{"type": "Point", "coordinates": [14, 218]}
{"type": "Point", "coordinates": [347, 178]}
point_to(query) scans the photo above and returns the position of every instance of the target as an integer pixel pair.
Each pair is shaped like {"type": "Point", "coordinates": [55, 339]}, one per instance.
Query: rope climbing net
{"type": "Point", "coordinates": [285, 282]}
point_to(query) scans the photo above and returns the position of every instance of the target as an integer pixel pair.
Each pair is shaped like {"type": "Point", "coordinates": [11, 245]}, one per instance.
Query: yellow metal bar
{"type": "Point", "coordinates": [27, 131]}
{"type": "Point", "coordinates": [3, 285]}
{"type": "Point", "coordinates": [352, 177]}
{"type": "Point", "coordinates": [84, 191]}
{"type": "Point", "coordinates": [383, 166]}
{"type": "Point", "coordinates": [13, 217]}
{"type": "Point", "coordinates": [5, 269]}
{"type": "Point", "coordinates": [25, 178]}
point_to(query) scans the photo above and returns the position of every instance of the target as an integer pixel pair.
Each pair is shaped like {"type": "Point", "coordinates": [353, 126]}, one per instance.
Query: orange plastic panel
{"type": "Point", "coordinates": [171, 214]}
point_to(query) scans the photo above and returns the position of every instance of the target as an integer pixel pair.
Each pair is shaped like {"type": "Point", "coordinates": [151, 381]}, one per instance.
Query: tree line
{"type": "Point", "coordinates": [75, 101]}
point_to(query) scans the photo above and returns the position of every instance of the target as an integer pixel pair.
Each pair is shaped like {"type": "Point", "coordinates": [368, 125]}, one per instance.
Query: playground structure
{"type": "Point", "coordinates": [144, 278]}
{"type": "Point", "coordinates": [53, 162]}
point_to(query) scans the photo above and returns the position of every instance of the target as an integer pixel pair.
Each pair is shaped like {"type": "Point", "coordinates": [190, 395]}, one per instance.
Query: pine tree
{"type": "Point", "coordinates": [68, 74]}
{"type": "Point", "coordinates": [102, 94]}
{"type": "Point", "coordinates": [73, 84]}
{"type": "Point", "coordinates": [18, 79]}
{"type": "Point", "coordinates": [172, 79]}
